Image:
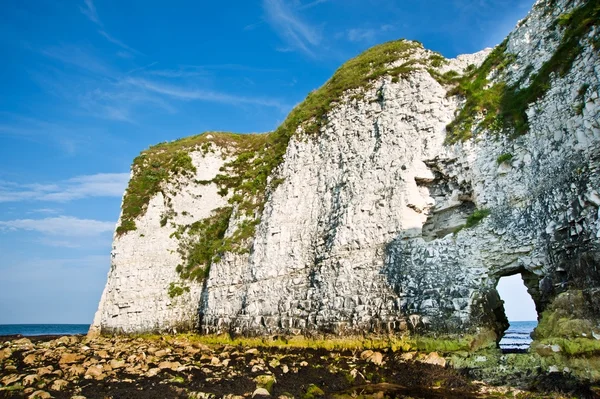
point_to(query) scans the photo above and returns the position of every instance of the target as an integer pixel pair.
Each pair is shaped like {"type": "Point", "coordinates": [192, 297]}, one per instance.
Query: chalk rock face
{"type": "Point", "coordinates": [378, 223]}
{"type": "Point", "coordinates": [141, 294]}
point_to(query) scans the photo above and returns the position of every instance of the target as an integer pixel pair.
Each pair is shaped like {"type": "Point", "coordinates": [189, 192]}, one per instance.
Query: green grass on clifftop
{"type": "Point", "coordinates": [245, 179]}
{"type": "Point", "coordinates": [166, 162]}
{"type": "Point", "coordinates": [358, 72]}
{"type": "Point", "coordinates": [496, 106]}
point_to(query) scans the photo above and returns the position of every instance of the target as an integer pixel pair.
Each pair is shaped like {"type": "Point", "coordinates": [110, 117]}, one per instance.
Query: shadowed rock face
{"type": "Point", "coordinates": [362, 232]}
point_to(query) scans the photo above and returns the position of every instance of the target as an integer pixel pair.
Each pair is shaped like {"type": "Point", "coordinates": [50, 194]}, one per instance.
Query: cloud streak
{"type": "Point", "coordinates": [106, 93]}
{"type": "Point", "coordinates": [184, 93]}
{"type": "Point", "coordinates": [89, 10]}
{"type": "Point", "coordinates": [65, 226]}
{"type": "Point", "coordinates": [87, 186]}
{"type": "Point", "coordinates": [78, 57]}
{"type": "Point", "coordinates": [68, 139]}
{"type": "Point", "coordinates": [368, 35]}
{"type": "Point", "coordinates": [290, 28]}
{"type": "Point", "coordinates": [118, 42]}
{"type": "Point", "coordinates": [311, 4]}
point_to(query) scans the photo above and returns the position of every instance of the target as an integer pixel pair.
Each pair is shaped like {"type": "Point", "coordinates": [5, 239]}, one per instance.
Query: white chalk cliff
{"type": "Point", "coordinates": [360, 224]}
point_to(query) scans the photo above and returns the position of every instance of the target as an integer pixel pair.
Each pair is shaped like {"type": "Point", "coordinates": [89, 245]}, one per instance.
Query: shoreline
{"type": "Point", "coordinates": [189, 367]}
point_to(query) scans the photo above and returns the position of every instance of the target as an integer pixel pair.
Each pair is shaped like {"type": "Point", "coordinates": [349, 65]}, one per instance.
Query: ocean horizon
{"type": "Point", "coordinates": [518, 335]}
{"type": "Point", "coordinates": [31, 330]}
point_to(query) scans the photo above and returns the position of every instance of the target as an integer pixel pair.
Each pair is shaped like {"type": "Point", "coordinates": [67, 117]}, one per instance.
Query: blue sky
{"type": "Point", "coordinates": [88, 84]}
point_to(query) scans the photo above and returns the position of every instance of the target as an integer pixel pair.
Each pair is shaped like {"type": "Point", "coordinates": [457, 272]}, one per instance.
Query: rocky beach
{"type": "Point", "coordinates": [190, 366]}
{"type": "Point", "coordinates": [356, 250]}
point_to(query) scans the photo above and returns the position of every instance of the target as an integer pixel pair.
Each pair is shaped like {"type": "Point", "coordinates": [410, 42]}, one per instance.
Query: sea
{"type": "Point", "coordinates": [43, 329]}
{"type": "Point", "coordinates": [518, 336]}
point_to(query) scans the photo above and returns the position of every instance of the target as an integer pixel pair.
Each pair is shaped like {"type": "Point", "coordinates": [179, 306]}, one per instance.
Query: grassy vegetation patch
{"type": "Point", "coordinates": [442, 345]}
{"type": "Point", "coordinates": [437, 60]}
{"type": "Point", "coordinates": [575, 346]}
{"type": "Point", "coordinates": [160, 164]}
{"type": "Point", "coordinates": [313, 392]}
{"type": "Point", "coordinates": [402, 343]}
{"type": "Point", "coordinates": [566, 317]}
{"type": "Point", "coordinates": [477, 217]}
{"type": "Point", "coordinates": [506, 157]}
{"type": "Point", "coordinates": [203, 244]}
{"type": "Point", "coordinates": [176, 290]}
{"type": "Point", "coordinates": [580, 100]}
{"type": "Point", "coordinates": [498, 106]}
{"type": "Point", "coordinates": [482, 100]}
{"type": "Point", "coordinates": [358, 72]}
{"type": "Point", "coordinates": [474, 219]}
{"type": "Point", "coordinates": [447, 78]}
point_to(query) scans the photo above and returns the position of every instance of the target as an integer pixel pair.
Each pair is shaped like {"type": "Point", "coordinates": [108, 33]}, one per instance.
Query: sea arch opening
{"type": "Point", "coordinates": [520, 310]}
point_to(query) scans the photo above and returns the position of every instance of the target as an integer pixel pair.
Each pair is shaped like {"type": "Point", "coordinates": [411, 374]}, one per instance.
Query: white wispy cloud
{"type": "Point", "coordinates": [79, 57]}
{"type": "Point", "coordinates": [288, 25]}
{"type": "Point", "coordinates": [358, 35]}
{"type": "Point", "coordinates": [87, 186]}
{"type": "Point", "coordinates": [60, 243]}
{"type": "Point", "coordinates": [185, 93]}
{"type": "Point", "coordinates": [67, 139]}
{"type": "Point", "coordinates": [311, 4]}
{"type": "Point", "coordinates": [44, 210]}
{"type": "Point", "coordinates": [65, 226]}
{"type": "Point", "coordinates": [89, 10]}
{"type": "Point", "coordinates": [189, 71]}
{"type": "Point", "coordinates": [178, 73]}
{"type": "Point", "coordinates": [118, 42]}
{"type": "Point", "coordinates": [124, 54]}
{"type": "Point", "coordinates": [368, 35]}
{"type": "Point", "coordinates": [120, 100]}
{"type": "Point", "coordinates": [104, 92]}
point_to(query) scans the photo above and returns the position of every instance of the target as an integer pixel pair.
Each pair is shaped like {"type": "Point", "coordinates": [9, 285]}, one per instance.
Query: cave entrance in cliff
{"type": "Point", "coordinates": [520, 311]}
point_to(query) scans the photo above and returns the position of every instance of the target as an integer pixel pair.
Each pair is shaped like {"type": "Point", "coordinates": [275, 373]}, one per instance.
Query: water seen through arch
{"type": "Point", "coordinates": [520, 311]}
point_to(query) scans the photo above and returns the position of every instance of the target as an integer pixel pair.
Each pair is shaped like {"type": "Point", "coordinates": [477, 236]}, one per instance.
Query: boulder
{"type": "Point", "coordinates": [260, 392]}
{"type": "Point", "coordinates": [59, 385]}
{"type": "Point", "coordinates": [95, 372]}
{"type": "Point", "coordinates": [30, 379]}
{"type": "Point", "coordinates": [117, 364]}
{"type": "Point", "coordinates": [69, 358]}
{"type": "Point", "coordinates": [5, 353]}
{"type": "Point", "coordinates": [435, 359]}
{"type": "Point", "coordinates": [40, 395]}
{"type": "Point", "coordinates": [30, 359]}
{"type": "Point", "coordinates": [373, 357]}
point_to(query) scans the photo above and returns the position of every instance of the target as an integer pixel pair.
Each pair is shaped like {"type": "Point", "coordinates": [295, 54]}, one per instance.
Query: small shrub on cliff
{"type": "Point", "coordinates": [205, 243]}
{"type": "Point", "coordinates": [125, 226]}
{"type": "Point", "coordinates": [176, 290]}
{"type": "Point", "coordinates": [477, 217]}
{"type": "Point", "coordinates": [504, 158]}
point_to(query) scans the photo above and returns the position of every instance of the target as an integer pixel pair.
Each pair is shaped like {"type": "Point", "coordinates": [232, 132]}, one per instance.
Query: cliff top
{"type": "Point", "coordinates": [257, 155]}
